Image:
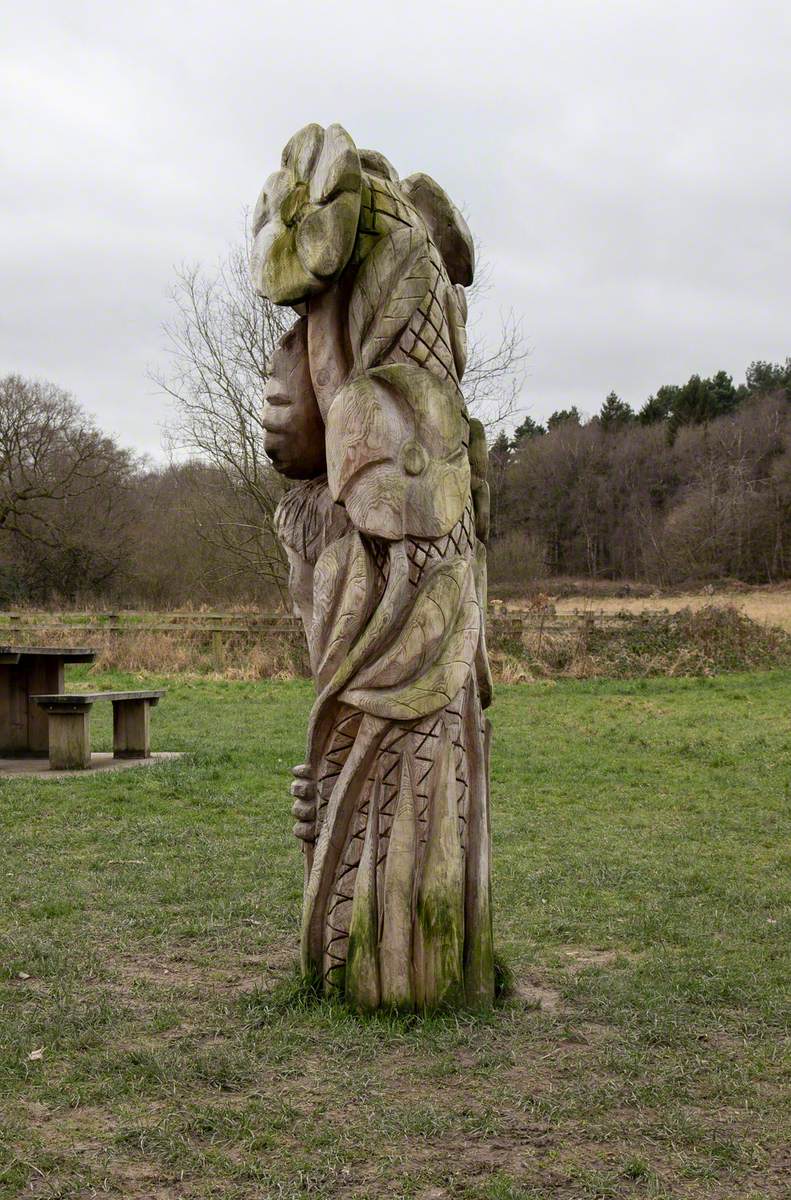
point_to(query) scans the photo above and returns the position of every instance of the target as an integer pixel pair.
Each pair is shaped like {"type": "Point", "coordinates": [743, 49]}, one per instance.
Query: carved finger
{"type": "Point", "coordinates": [302, 771]}
{"type": "Point", "coordinates": [304, 789]}
{"type": "Point", "coordinates": [303, 810]}
{"type": "Point", "coordinates": [305, 831]}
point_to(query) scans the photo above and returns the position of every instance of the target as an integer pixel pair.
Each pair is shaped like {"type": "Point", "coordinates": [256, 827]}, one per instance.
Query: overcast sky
{"type": "Point", "coordinates": [626, 167]}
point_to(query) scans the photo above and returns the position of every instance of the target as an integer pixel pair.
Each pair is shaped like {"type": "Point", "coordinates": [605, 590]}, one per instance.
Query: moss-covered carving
{"type": "Point", "coordinates": [388, 571]}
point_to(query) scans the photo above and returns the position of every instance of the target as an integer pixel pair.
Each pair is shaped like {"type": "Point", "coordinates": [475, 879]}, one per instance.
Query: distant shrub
{"type": "Point", "coordinates": [708, 641]}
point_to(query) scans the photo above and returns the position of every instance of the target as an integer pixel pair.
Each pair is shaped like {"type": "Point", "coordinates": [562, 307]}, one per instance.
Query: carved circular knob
{"type": "Point", "coordinates": [414, 458]}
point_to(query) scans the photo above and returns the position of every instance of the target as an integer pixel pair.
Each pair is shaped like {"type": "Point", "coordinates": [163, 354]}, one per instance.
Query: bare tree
{"type": "Point", "coordinates": [495, 371]}
{"type": "Point", "coordinates": [65, 490]}
{"type": "Point", "coordinates": [221, 340]}
{"type": "Point", "coordinates": [222, 337]}
{"type": "Point", "coordinates": [49, 453]}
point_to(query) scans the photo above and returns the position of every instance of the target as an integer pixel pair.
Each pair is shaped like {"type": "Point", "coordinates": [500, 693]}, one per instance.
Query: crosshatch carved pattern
{"type": "Point", "coordinates": [460, 542]}
{"type": "Point", "coordinates": [418, 742]}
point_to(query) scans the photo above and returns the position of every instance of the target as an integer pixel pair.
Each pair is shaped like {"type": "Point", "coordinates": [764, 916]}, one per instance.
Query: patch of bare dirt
{"type": "Point", "coordinates": [244, 973]}
{"type": "Point", "coordinates": [59, 1127]}
{"type": "Point", "coordinates": [580, 957]}
{"type": "Point", "coordinates": [536, 995]}
{"type": "Point", "coordinates": [564, 1165]}
{"type": "Point", "coordinates": [162, 972]}
{"type": "Point", "coordinates": [535, 992]}
{"type": "Point", "coordinates": [139, 1181]}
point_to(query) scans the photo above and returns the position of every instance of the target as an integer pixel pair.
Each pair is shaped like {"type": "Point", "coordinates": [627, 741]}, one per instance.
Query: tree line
{"type": "Point", "coordinates": [84, 519]}
{"type": "Point", "coordinates": [695, 485]}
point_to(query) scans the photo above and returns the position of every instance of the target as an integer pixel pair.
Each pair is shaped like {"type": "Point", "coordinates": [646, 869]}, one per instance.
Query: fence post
{"type": "Point", "coordinates": [218, 649]}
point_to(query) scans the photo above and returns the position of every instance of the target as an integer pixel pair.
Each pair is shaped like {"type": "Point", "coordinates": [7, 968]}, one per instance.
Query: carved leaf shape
{"type": "Point", "coordinates": [423, 632]}
{"type": "Point", "coordinates": [389, 286]}
{"type": "Point", "coordinates": [448, 229]}
{"type": "Point", "coordinates": [456, 316]}
{"type": "Point", "coordinates": [343, 589]}
{"type": "Point", "coordinates": [433, 669]}
{"type": "Point", "coordinates": [439, 927]}
{"type": "Point", "coordinates": [378, 632]}
{"type": "Point", "coordinates": [362, 965]}
{"type": "Point", "coordinates": [395, 949]}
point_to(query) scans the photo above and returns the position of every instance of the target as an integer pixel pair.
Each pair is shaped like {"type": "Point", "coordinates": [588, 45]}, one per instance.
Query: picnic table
{"type": "Point", "coordinates": [26, 671]}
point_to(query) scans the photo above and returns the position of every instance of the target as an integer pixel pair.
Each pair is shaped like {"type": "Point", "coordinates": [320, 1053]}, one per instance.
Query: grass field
{"type": "Point", "coordinates": [155, 1042]}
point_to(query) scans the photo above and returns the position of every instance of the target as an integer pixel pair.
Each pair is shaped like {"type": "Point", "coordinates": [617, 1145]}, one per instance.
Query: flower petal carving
{"type": "Point", "coordinates": [305, 221]}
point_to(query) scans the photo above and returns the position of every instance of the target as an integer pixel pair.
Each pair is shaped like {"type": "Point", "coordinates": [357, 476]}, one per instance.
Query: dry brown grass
{"type": "Point", "coordinates": [769, 608]}
{"type": "Point", "coordinates": [706, 640]}
{"type": "Point", "coordinates": [181, 652]}
{"type": "Point", "coordinates": [557, 638]}
{"type": "Point", "coordinates": [768, 605]}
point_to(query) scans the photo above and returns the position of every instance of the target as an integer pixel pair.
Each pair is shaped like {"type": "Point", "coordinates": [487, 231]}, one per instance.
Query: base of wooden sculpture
{"type": "Point", "coordinates": [397, 908]}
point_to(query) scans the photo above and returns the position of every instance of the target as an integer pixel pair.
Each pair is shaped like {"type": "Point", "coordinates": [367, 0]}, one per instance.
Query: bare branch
{"type": "Point", "coordinates": [221, 340]}
{"type": "Point", "coordinates": [495, 371]}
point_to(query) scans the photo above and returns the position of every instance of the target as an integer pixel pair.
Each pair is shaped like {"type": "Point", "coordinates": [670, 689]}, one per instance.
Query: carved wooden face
{"type": "Point", "coordinates": [294, 438]}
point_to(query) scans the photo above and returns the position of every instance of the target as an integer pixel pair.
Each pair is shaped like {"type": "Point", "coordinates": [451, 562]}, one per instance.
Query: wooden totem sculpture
{"type": "Point", "coordinates": [385, 537]}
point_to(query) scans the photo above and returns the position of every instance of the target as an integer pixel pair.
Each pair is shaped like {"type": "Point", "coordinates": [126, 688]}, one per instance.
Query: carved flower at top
{"type": "Point", "coordinates": [305, 221]}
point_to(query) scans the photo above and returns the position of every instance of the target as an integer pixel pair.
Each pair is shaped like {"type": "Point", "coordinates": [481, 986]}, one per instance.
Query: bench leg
{"type": "Point", "coordinates": [130, 729]}
{"type": "Point", "coordinates": [44, 675]}
{"type": "Point", "coordinates": [70, 740]}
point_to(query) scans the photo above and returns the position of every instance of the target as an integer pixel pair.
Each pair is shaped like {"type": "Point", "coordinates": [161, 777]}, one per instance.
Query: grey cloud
{"type": "Point", "coordinates": [624, 165]}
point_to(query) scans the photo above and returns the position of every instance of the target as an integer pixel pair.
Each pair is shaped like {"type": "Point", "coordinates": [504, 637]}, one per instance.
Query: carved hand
{"type": "Point", "coordinates": [304, 806]}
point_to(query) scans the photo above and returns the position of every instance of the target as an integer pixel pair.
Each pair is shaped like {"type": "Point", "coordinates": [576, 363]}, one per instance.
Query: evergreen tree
{"type": "Point", "coordinates": [615, 412]}
{"type": "Point", "coordinates": [660, 406]}
{"type": "Point", "coordinates": [723, 396]}
{"type": "Point", "coordinates": [500, 450]}
{"type": "Point", "coordinates": [764, 377]}
{"type": "Point", "coordinates": [702, 400]}
{"type": "Point", "coordinates": [527, 430]}
{"type": "Point", "coordinates": [563, 415]}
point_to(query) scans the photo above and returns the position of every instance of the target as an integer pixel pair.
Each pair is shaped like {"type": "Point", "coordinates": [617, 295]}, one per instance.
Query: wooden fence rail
{"type": "Point", "coordinates": [278, 623]}
{"type": "Point", "coordinates": [216, 628]}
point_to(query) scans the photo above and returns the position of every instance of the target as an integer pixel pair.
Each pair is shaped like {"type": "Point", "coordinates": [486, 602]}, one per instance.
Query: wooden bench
{"type": "Point", "coordinates": [70, 725]}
